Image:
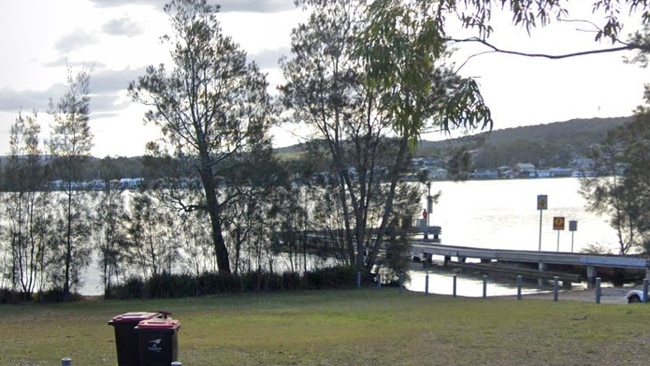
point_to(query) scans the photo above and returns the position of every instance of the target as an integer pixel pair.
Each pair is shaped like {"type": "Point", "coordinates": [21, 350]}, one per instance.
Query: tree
{"type": "Point", "coordinates": [212, 106]}
{"type": "Point", "coordinates": [26, 205]}
{"type": "Point", "coordinates": [109, 223]}
{"type": "Point", "coordinates": [153, 246]}
{"type": "Point", "coordinates": [70, 144]}
{"type": "Point", "coordinates": [477, 14]}
{"type": "Point", "coordinates": [370, 79]}
{"type": "Point", "coordinates": [620, 185]}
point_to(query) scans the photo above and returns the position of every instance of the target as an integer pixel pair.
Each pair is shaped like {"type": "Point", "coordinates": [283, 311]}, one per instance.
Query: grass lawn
{"type": "Point", "coordinates": [347, 327]}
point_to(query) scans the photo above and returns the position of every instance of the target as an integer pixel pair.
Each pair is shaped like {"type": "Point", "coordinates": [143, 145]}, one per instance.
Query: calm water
{"type": "Point", "coordinates": [502, 214]}
{"type": "Point", "coordinates": [499, 214]}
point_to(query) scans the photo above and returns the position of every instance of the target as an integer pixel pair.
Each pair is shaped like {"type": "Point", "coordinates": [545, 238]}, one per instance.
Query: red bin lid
{"type": "Point", "coordinates": [133, 317]}
{"type": "Point", "coordinates": [159, 324]}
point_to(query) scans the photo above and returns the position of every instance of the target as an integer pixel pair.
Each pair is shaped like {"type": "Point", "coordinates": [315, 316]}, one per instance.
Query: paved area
{"type": "Point", "coordinates": [609, 295]}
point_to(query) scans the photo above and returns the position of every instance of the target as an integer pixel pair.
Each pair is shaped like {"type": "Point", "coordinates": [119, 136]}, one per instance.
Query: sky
{"type": "Point", "coordinates": [119, 38]}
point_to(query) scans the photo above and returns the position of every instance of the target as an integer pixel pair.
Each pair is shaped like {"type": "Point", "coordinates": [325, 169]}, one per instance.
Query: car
{"type": "Point", "coordinates": [634, 296]}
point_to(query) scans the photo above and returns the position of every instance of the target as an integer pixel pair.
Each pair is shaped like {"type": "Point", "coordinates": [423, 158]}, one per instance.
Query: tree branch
{"type": "Point", "coordinates": [624, 47]}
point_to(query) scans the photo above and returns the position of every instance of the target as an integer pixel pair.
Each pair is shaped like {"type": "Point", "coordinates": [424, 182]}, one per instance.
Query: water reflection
{"type": "Point", "coordinates": [467, 285]}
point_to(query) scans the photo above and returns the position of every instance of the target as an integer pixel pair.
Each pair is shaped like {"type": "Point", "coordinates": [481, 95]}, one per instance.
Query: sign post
{"type": "Point", "coordinates": [542, 204]}
{"type": "Point", "coordinates": [573, 227]}
{"type": "Point", "coordinates": [558, 224]}
{"type": "Point", "coordinates": [425, 223]}
{"type": "Point", "coordinates": [427, 211]}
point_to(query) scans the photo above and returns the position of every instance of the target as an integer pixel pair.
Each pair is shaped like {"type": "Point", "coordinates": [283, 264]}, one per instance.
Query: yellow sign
{"type": "Point", "coordinates": [558, 223]}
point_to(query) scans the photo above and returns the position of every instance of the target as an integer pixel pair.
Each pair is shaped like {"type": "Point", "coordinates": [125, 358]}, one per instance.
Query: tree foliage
{"type": "Point", "coordinates": [26, 207]}
{"type": "Point", "coordinates": [620, 188]}
{"type": "Point", "coordinates": [212, 107]}
{"type": "Point", "coordinates": [69, 144]}
{"type": "Point", "coordinates": [529, 14]}
{"type": "Point", "coordinates": [370, 79]}
{"type": "Point", "coordinates": [110, 232]}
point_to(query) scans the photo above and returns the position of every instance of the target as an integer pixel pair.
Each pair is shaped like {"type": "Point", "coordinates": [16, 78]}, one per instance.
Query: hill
{"type": "Point", "coordinates": [553, 144]}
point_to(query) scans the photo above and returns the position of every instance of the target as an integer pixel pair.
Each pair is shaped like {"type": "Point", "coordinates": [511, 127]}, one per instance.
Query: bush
{"type": "Point", "coordinates": [166, 285]}
{"type": "Point", "coordinates": [133, 288]}
{"type": "Point", "coordinates": [8, 296]}
{"type": "Point", "coordinates": [330, 278]}
{"type": "Point", "coordinates": [291, 280]}
{"type": "Point", "coordinates": [55, 295]}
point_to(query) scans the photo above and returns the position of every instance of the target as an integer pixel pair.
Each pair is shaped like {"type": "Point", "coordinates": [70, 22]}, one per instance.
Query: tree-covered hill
{"type": "Point", "coordinates": [553, 144]}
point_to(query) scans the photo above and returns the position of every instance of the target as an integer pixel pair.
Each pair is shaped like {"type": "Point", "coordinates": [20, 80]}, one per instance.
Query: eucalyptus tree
{"type": "Point", "coordinates": [620, 186]}
{"type": "Point", "coordinates": [69, 144]}
{"type": "Point", "coordinates": [212, 107]}
{"type": "Point", "coordinates": [370, 79]}
{"type": "Point", "coordinates": [324, 90]}
{"type": "Point", "coordinates": [606, 21]}
{"type": "Point", "coordinates": [26, 204]}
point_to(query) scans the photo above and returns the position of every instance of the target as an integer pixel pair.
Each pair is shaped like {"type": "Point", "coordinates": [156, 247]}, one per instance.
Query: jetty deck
{"type": "Point", "coordinates": [591, 264]}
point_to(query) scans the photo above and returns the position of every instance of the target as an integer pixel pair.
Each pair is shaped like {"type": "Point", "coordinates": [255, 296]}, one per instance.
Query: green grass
{"type": "Point", "coordinates": [355, 327]}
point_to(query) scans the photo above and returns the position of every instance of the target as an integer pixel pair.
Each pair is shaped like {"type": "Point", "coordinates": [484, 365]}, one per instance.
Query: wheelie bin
{"type": "Point", "coordinates": [126, 340]}
{"type": "Point", "coordinates": [158, 341]}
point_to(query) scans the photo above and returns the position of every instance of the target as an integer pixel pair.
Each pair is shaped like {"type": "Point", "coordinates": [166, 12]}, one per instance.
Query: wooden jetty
{"type": "Point", "coordinates": [549, 264]}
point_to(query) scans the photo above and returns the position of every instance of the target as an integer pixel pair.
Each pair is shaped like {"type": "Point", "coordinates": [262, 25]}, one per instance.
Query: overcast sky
{"type": "Point", "coordinates": [119, 38]}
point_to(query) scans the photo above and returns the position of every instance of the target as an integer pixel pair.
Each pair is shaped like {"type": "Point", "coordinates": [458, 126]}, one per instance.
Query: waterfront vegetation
{"type": "Point", "coordinates": [214, 198]}
{"type": "Point", "coordinates": [344, 327]}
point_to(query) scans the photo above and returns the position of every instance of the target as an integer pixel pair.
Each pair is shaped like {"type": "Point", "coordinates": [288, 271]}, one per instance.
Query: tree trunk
{"type": "Point", "coordinates": [68, 244]}
{"type": "Point", "coordinates": [220, 250]}
{"type": "Point", "coordinates": [388, 208]}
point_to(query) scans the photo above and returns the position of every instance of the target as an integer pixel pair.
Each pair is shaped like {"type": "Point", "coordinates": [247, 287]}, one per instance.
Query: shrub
{"type": "Point", "coordinates": [167, 285]}
{"type": "Point", "coordinates": [8, 296]}
{"type": "Point", "coordinates": [133, 288]}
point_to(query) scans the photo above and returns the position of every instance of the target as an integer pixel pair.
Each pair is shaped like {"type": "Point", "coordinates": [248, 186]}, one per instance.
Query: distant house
{"type": "Point", "coordinates": [440, 174]}
{"type": "Point", "coordinates": [561, 172]}
{"type": "Point", "coordinates": [525, 170]}
{"type": "Point", "coordinates": [485, 174]}
{"type": "Point", "coordinates": [435, 174]}
{"type": "Point", "coordinates": [98, 185]}
{"type": "Point", "coordinates": [583, 163]}
{"type": "Point", "coordinates": [124, 183]}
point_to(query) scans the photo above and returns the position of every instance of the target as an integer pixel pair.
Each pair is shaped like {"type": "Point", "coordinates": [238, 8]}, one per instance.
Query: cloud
{"type": "Point", "coordinates": [268, 59]}
{"type": "Point", "coordinates": [14, 100]}
{"type": "Point", "coordinates": [158, 4]}
{"type": "Point", "coordinates": [76, 40]}
{"type": "Point", "coordinates": [257, 6]}
{"type": "Point", "coordinates": [254, 6]}
{"type": "Point", "coordinates": [64, 62]}
{"type": "Point", "coordinates": [107, 88]}
{"type": "Point", "coordinates": [122, 27]}
{"type": "Point", "coordinates": [113, 81]}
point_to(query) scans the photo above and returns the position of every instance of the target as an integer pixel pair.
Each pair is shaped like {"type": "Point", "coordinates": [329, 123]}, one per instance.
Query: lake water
{"type": "Point", "coordinates": [500, 214]}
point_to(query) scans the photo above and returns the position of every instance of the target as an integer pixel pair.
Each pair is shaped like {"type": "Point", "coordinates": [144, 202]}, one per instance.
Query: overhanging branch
{"type": "Point", "coordinates": [623, 47]}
